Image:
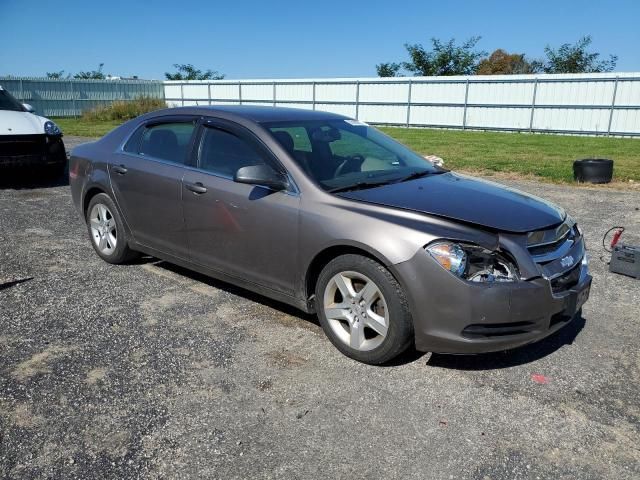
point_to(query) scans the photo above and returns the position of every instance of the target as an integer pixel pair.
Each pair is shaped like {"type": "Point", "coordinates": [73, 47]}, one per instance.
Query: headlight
{"type": "Point", "coordinates": [450, 256]}
{"type": "Point", "coordinates": [51, 128]}
{"type": "Point", "coordinates": [473, 263]}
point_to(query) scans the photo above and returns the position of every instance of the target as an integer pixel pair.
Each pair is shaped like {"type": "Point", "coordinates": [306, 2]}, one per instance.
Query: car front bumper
{"type": "Point", "coordinates": [454, 316]}
{"type": "Point", "coordinates": [31, 150]}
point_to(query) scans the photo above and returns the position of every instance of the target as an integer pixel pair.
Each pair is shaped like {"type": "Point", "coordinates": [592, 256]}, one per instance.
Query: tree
{"type": "Point", "coordinates": [56, 75]}
{"type": "Point", "coordinates": [189, 72]}
{"type": "Point", "coordinates": [502, 63]}
{"type": "Point", "coordinates": [388, 69]}
{"type": "Point", "coordinates": [91, 75]}
{"type": "Point", "coordinates": [444, 59]}
{"type": "Point", "coordinates": [576, 59]}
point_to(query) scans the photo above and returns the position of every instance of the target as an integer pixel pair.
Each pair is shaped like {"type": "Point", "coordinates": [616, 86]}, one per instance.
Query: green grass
{"type": "Point", "coordinates": [84, 128]}
{"type": "Point", "coordinates": [548, 156]}
{"type": "Point", "coordinates": [124, 109]}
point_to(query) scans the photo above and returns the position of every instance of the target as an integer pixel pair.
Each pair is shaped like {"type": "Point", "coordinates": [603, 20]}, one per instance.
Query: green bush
{"type": "Point", "coordinates": [124, 109]}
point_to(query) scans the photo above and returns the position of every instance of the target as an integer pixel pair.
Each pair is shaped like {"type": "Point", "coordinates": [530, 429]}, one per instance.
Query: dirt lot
{"type": "Point", "coordinates": [150, 371]}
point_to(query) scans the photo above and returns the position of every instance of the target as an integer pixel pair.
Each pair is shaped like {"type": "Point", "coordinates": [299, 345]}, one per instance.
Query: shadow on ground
{"type": "Point", "coordinates": [515, 357]}
{"type": "Point", "coordinates": [487, 361]}
{"type": "Point", "coordinates": [234, 290]}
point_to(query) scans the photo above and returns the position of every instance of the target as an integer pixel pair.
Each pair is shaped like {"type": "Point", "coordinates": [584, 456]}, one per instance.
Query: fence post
{"type": "Point", "coordinates": [357, 98]}
{"type": "Point", "coordinates": [613, 103]}
{"type": "Point", "coordinates": [466, 98]}
{"type": "Point", "coordinates": [73, 98]}
{"type": "Point", "coordinates": [533, 105]}
{"type": "Point", "coordinates": [240, 92]}
{"type": "Point", "coordinates": [313, 98]}
{"type": "Point", "coordinates": [274, 94]}
{"type": "Point", "coordinates": [409, 103]}
{"type": "Point", "coordinates": [21, 91]}
{"type": "Point", "coordinates": [209, 92]}
{"type": "Point", "coordinates": [182, 94]}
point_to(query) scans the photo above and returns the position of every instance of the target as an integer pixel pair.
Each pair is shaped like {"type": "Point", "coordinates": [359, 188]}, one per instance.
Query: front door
{"type": "Point", "coordinates": [243, 230]}
{"type": "Point", "coordinates": [147, 180]}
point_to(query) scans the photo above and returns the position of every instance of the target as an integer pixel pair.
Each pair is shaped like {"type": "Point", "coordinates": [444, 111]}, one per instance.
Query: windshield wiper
{"type": "Point", "coordinates": [420, 174]}
{"type": "Point", "coordinates": [358, 186]}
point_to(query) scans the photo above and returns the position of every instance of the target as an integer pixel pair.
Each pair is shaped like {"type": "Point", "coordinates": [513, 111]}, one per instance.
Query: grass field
{"type": "Point", "coordinates": [547, 156]}
{"type": "Point", "coordinates": [83, 128]}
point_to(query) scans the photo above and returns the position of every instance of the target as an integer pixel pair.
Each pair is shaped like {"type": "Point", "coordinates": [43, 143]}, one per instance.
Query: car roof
{"type": "Point", "coordinates": [257, 113]}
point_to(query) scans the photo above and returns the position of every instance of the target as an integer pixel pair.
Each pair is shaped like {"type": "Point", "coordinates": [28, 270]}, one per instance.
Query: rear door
{"type": "Point", "coordinates": [146, 177]}
{"type": "Point", "coordinates": [243, 230]}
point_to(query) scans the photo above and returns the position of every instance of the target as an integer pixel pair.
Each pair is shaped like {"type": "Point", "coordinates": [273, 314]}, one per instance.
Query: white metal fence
{"type": "Point", "coordinates": [593, 104]}
{"type": "Point", "coordinates": [71, 97]}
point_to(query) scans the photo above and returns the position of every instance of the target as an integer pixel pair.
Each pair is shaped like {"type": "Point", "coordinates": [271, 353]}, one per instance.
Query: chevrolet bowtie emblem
{"type": "Point", "coordinates": [567, 261]}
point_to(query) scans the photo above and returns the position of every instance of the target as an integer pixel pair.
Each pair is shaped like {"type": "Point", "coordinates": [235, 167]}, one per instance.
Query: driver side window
{"type": "Point", "coordinates": [223, 153]}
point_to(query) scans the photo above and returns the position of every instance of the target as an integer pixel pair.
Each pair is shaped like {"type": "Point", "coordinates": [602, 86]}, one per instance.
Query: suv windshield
{"type": "Point", "coordinates": [7, 102]}
{"type": "Point", "coordinates": [345, 154]}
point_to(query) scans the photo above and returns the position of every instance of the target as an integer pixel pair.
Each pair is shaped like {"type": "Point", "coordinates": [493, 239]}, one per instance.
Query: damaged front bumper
{"type": "Point", "coordinates": [452, 315]}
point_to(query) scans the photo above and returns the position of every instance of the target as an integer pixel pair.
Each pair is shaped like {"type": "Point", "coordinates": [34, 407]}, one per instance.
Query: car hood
{"type": "Point", "coordinates": [20, 123]}
{"type": "Point", "coordinates": [466, 199]}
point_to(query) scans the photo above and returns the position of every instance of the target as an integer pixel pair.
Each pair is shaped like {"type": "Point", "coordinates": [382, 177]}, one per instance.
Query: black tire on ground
{"type": "Point", "coordinates": [400, 335]}
{"type": "Point", "coordinates": [122, 253]}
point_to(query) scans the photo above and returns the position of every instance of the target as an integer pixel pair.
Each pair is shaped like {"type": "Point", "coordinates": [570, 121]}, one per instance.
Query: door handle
{"type": "Point", "coordinates": [197, 188]}
{"type": "Point", "coordinates": [120, 169]}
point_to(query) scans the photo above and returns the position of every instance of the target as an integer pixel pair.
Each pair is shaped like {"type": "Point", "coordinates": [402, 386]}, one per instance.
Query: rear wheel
{"type": "Point", "coordinates": [363, 309]}
{"type": "Point", "coordinates": [108, 236]}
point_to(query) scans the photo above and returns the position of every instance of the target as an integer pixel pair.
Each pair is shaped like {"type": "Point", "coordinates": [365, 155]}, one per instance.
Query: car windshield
{"type": "Point", "coordinates": [7, 102]}
{"type": "Point", "coordinates": [347, 154]}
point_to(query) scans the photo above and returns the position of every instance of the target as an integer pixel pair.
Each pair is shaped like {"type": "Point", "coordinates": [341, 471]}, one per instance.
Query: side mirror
{"type": "Point", "coordinates": [28, 108]}
{"type": "Point", "coordinates": [262, 175]}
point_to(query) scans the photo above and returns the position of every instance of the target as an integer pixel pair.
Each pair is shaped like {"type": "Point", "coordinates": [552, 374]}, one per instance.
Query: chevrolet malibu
{"type": "Point", "coordinates": [328, 214]}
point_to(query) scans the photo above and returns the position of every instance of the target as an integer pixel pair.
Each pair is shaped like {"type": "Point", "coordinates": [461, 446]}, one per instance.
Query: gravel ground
{"type": "Point", "coordinates": [150, 371]}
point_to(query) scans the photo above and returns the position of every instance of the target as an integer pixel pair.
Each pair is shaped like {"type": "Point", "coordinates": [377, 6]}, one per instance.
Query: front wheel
{"type": "Point", "coordinates": [108, 236]}
{"type": "Point", "coordinates": [363, 309]}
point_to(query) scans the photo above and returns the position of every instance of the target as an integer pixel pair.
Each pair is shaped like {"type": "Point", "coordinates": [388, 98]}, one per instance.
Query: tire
{"type": "Point", "coordinates": [106, 231]}
{"type": "Point", "coordinates": [367, 325]}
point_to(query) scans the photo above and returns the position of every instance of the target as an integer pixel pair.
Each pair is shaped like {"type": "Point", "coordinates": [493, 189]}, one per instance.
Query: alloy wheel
{"type": "Point", "coordinates": [103, 229]}
{"type": "Point", "coordinates": [356, 310]}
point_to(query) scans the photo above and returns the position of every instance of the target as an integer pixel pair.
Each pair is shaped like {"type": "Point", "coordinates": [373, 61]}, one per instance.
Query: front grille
{"type": "Point", "coordinates": [556, 243]}
{"type": "Point", "coordinates": [22, 145]}
{"type": "Point", "coordinates": [489, 330]}
{"type": "Point", "coordinates": [567, 280]}
{"type": "Point", "coordinates": [558, 252]}
{"type": "Point", "coordinates": [537, 250]}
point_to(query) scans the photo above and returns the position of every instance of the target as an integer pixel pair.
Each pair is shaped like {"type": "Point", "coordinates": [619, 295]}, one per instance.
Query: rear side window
{"type": "Point", "coordinates": [133, 144]}
{"type": "Point", "coordinates": [223, 153]}
{"type": "Point", "coordinates": [166, 141]}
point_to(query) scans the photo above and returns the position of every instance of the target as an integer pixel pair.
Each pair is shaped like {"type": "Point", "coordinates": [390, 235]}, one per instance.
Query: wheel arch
{"type": "Point", "coordinates": [96, 189]}
{"type": "Point", "coordinates": [89, 194]}
{"type": "Point", "coordinates": [322, 258]}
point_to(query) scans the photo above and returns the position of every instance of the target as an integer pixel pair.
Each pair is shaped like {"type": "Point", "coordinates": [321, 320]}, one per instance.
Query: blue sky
{"type": "Point", "coordinates": [283, 39]}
